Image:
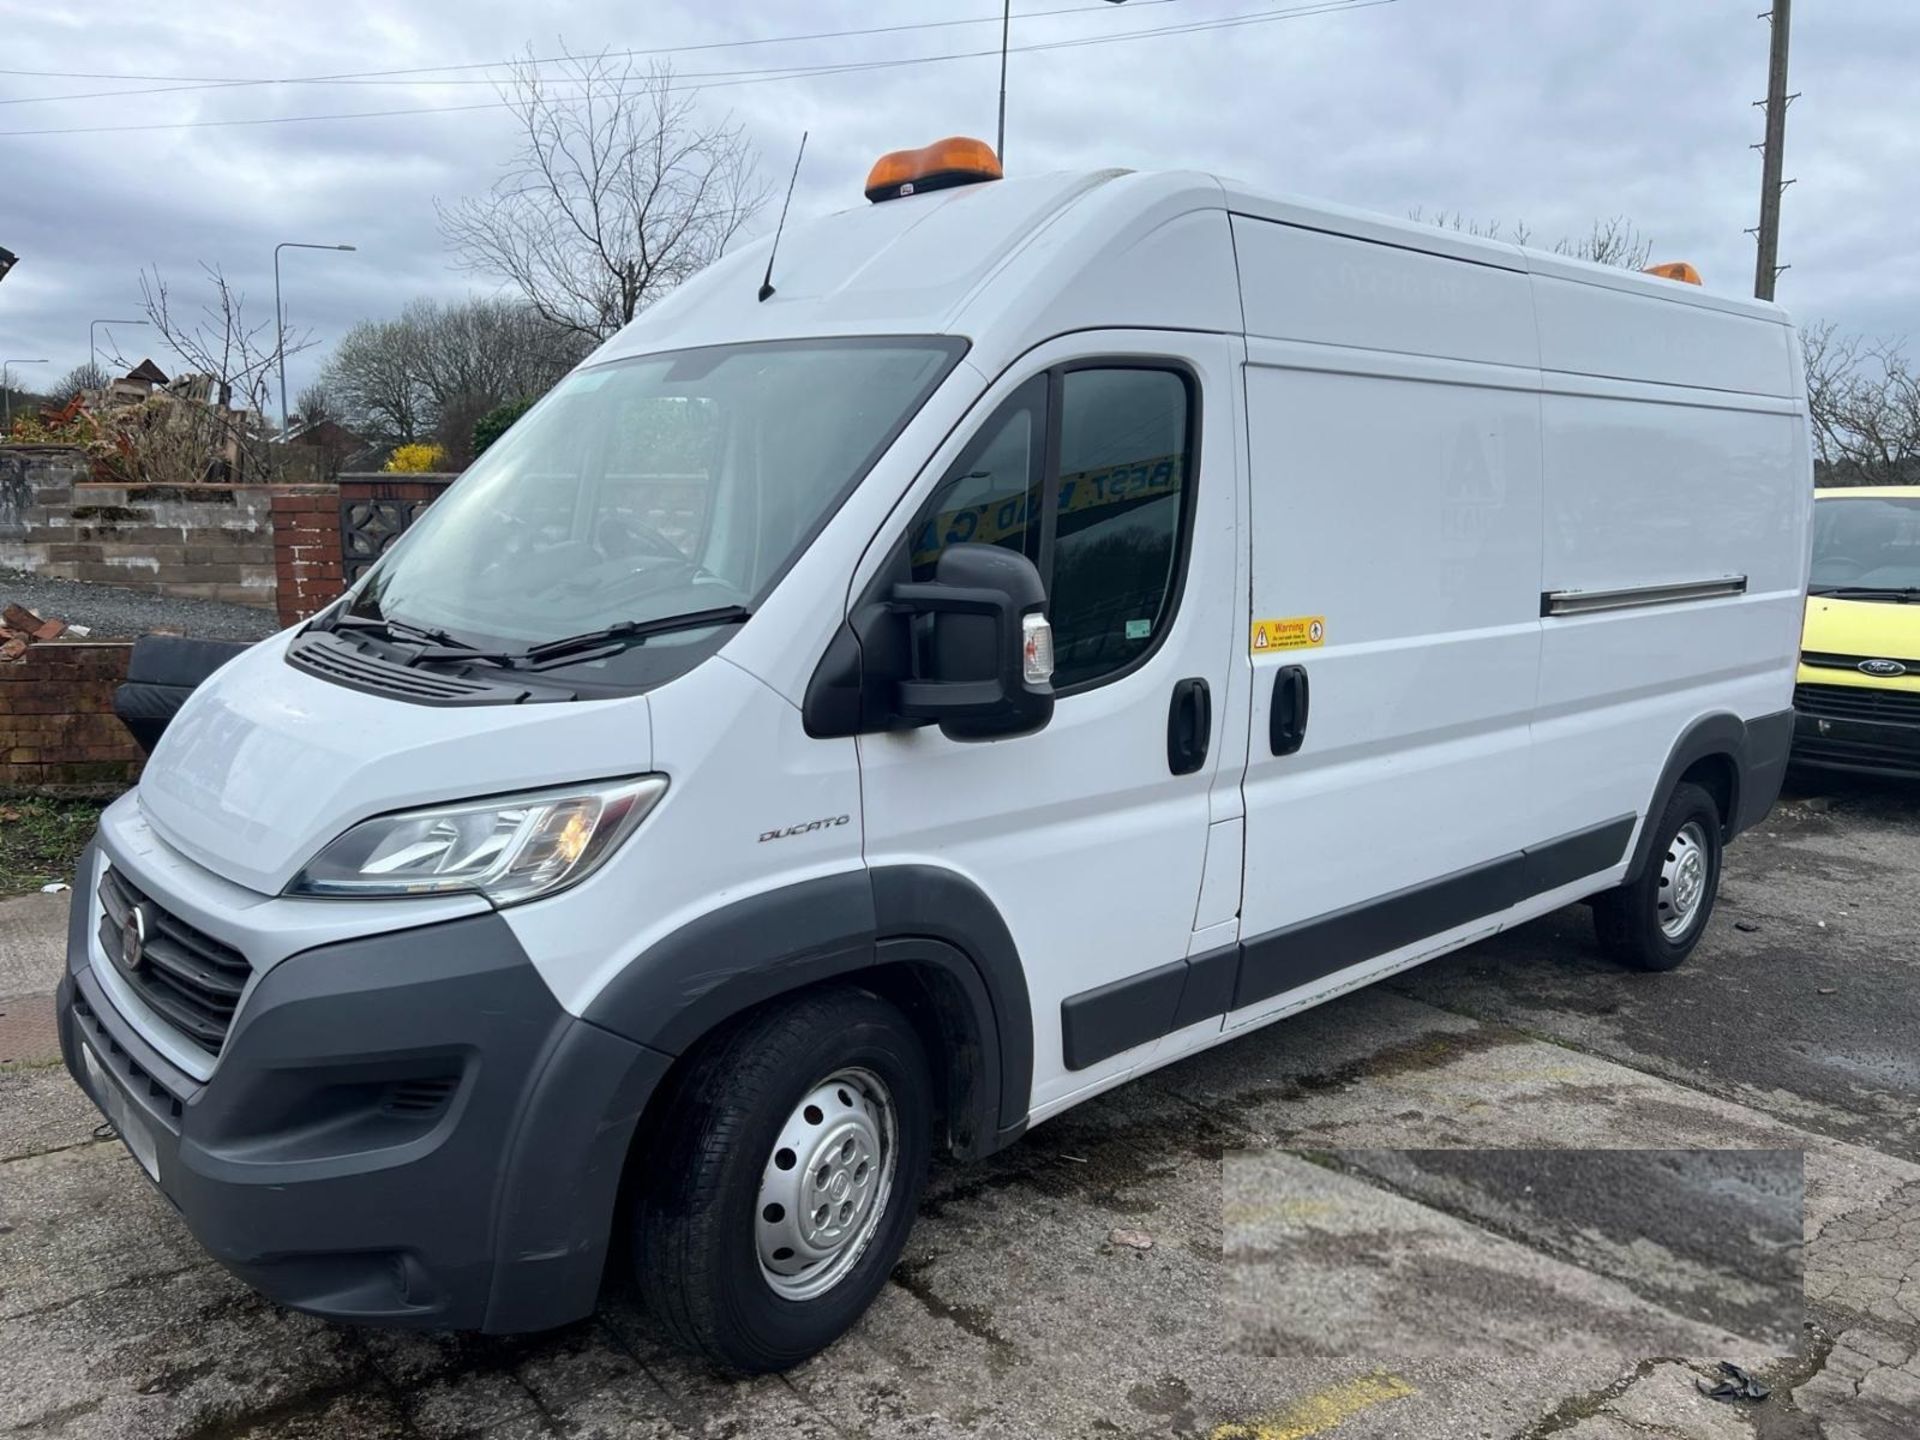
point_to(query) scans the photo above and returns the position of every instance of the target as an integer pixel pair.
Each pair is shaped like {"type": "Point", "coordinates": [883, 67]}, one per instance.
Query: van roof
{"type": "Point", "coordinates": [1102, 248]}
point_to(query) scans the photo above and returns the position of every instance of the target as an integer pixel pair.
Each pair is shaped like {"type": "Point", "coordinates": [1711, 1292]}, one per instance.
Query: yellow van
{"type": "Point", "coordinates": [1858, 693]}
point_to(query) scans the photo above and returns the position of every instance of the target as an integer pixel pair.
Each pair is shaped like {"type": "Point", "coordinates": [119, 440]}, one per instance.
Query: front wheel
{"type": "Point", "coordinates": [787, 1172]}
{"type": "Point", "coordinates": [1654, 922]}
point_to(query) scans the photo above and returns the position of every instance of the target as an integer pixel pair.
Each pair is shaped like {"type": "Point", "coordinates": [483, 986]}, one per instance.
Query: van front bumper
{"type": "Point", "coordinates": [401, 1129]}
{"type": "Point", "coordinates": [1857, 728]}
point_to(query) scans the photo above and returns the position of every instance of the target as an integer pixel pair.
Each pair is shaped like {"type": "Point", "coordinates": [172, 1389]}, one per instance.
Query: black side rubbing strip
{"type": "Point", "coordinates": [1209, 989]}
{"type": "Point", "coordinates": [1100, 1023]}
{"type": "Point", "coordinates": [1299, 954]}
{"type": "Point", "coordinates": [1576, 856]}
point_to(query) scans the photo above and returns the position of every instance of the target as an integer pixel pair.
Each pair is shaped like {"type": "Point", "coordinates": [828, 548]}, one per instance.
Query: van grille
{"type": "Point", "coordinates": [1858, 702]}
{"type": "Point", "coordinates": [184, 975]}
{"type": "Point", "coordinates": [1826, 660]}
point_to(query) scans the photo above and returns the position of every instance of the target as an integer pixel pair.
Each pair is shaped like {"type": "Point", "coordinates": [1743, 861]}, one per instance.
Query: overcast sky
{"type": "Point", "coordinates": [1550, 111]}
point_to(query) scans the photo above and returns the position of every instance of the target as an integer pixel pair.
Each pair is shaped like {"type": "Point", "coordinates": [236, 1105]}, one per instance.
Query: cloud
{"type": "Point", "coordinates": [1555, 112]}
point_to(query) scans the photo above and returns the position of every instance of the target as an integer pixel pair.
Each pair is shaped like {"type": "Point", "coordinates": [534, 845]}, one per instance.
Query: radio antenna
{"type": "Point", "coordinates": [766, 285]}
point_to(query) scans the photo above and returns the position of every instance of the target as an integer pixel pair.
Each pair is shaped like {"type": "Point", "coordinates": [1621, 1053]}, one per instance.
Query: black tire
{"type": "Point", "coordinates": [694, 1215]}
{"type": "Point", "coordinates": [1629, 920]}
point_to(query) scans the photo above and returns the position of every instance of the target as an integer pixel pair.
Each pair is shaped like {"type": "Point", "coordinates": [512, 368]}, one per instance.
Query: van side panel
{"type": "Point", "coordinates": [1301, 284]}
{"type": "Point", "coordinates": [1654, 485]}
{"type": "Point", "coordinates": [1625, 327]}
{"type": "Point", "coordinates": [1398, 497]}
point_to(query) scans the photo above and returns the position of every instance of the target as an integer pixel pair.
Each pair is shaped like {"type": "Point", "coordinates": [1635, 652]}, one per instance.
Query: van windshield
{"type": "Point", "coordinates": [1866, 543]}
{"type": "Point", "coordinates": [647, 489]}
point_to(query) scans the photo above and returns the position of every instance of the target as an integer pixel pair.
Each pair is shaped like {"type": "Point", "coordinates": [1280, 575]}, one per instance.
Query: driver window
{"type": "Point", "coordinates": [1104, 521]}
{"type": "Point", "coordinates": [991, 495]}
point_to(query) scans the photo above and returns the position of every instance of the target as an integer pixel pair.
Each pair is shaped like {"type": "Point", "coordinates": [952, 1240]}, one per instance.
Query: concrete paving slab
{"type": "Point", "coordinates": [80, 1222]}
{"type": "Point", "coordinates": [42, 1109]}
{"type": "Point", "coordinates": [33, 943]}
{"type": "Point", "coordinates": [1803, 1000]}
{"type": "Point", "coordinates": [28, 1034]}
{"type": "Point", "coordinates": [1323, 1261]}
{"type": "Point", "coordinates": [1713, 1234]}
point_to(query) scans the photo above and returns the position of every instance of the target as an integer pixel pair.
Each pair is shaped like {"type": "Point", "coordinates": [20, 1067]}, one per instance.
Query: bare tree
{"type": "Point", "coordinates": [85, 376]}
{"type": "Point", "coordinates": [619, 191]}
{"type": "Point", "coordinates": [436, 369]}
{"type": "Point", "coordinates": [234, 360]}
{"type": "Point", "coordinates": [316, 404]}
{"type": "Point", "coordinates": [375, 375]}
{"type": "Point", "coordinates": [1864, 400]}
{"type": "Point", "coordinates": [1609, 242]}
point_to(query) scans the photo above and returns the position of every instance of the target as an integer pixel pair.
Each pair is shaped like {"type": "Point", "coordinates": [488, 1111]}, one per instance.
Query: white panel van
{"type": "Point", "coordinates": [1052, 626]}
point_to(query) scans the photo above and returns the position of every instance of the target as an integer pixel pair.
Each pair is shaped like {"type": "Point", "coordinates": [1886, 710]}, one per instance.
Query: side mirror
{"type": "Point", "coordinates": [987, 666]}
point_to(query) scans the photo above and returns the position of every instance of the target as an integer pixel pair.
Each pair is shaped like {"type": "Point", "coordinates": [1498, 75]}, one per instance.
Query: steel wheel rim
{"type": "Point", "coordinates": [825, 1185]}
{"type": "Point", "coordinates": [1683, 881]}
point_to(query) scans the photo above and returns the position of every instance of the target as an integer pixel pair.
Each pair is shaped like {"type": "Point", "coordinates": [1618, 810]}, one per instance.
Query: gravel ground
{"type": "Point", "coordinates": [114, 613]}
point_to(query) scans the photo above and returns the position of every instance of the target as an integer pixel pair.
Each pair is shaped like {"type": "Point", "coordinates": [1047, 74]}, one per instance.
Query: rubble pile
{"type": "Point", "coordinates": [21, 628]}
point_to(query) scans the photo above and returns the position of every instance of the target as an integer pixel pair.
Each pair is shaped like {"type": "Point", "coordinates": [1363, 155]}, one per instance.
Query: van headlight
{"type": "Point", "coordinates": [509, 847]}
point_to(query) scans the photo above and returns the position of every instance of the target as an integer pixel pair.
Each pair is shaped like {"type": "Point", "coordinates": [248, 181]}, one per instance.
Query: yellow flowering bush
{"type": "Point", "coordinates": [416, 459]}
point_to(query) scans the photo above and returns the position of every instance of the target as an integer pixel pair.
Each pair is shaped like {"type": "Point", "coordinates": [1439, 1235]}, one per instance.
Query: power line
{"type": "Point", "coordinates": [770, 76]}
{"type": "Point", "coordinates": [390, 77]}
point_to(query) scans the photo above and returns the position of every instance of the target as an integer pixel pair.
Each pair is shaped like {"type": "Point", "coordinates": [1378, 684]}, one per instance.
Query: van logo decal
{"type": "Point", "coordinates": [1887, 669]}
{"type": "Point", "coordinates": [831, 823]}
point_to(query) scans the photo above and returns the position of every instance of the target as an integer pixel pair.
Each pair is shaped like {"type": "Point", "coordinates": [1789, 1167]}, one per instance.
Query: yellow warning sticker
{"type": "Point", "coordinates": [1298, 632]}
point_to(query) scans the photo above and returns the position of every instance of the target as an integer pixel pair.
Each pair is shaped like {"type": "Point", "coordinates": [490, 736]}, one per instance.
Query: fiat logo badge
{"type": "Point", "coordinates": [133, 939]}
{"type": "Point", "coordinates": [1887, 669]}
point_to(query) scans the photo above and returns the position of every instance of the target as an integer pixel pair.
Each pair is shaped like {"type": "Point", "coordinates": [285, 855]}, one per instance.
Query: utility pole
{"type": "Point", "coordinates": [1766, 267]}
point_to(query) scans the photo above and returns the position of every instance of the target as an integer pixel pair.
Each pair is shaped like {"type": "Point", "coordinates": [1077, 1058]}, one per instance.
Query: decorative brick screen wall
{"type": "Point", "coordinates": [324, 539]}
{"type": "Point", "coordinates": [57, 726]}
{"type": "Point", "coordinates": [306, 551]}
{"type": "Point", "coordinates": [375, 510]}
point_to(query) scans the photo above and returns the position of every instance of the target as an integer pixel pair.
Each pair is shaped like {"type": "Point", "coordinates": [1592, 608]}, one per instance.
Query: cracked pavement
{"type": "Point", "coordinates": [1795, 1028]}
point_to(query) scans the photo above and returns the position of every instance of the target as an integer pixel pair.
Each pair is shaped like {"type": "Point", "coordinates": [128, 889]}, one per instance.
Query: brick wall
{"type": "Point", "coordinates": [274, 546]}
{"type": "Point", "coordinates": [306, 551]}
{"type": "Point", "coordinates": [211, 542]}
{"type": "Point", "coordinates": [57, 726]}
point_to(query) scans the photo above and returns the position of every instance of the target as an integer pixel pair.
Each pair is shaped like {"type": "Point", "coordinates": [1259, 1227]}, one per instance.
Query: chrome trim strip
{"type": "Point", "coordinates": [1588, 602]}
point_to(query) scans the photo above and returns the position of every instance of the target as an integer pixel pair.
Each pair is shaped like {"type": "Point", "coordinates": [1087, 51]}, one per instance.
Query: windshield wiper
{"type": "Point", "coordinates": [631, 632]}
{"type": "Point", "coordinates": [1902, 593]}
{"type": "Point", "coordinates": [438, 644]}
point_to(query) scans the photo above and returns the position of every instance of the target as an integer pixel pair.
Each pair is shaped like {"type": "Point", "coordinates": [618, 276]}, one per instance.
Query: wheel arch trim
{"type": "Point", "coordinates": [1756, 754]}
{"type": "Point", "coordinates": [838, 926]}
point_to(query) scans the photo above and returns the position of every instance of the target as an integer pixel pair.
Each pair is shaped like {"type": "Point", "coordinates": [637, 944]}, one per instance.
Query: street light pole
{"type": "Point", "coordinates": [6, 384]}
{"type": "Point", "coordinates": [1006, 24]}
{"type": "Point", "coordinates": [93, 352]}
{"type": "Point", "coordinates": [280, 319]}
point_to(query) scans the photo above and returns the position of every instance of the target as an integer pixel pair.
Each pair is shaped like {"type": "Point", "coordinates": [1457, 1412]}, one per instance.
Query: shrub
{"type": "Point", "coordinates": [416, 459]}
{"type": "Point", "coordinates": [492, 425]}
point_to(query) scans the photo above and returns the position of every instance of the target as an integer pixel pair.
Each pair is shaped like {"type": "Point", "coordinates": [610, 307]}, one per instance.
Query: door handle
{"type": "Point", "coordinates": [1189, 726]}
{"type": "Point", "coordinates": [1287, 719]}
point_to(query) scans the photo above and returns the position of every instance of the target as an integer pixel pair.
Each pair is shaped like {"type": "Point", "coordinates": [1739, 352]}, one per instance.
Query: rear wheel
{"type": "Point", "coordinates": [784, 1182]}
{"type": "Point", "coordinates": [1654, 922]}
